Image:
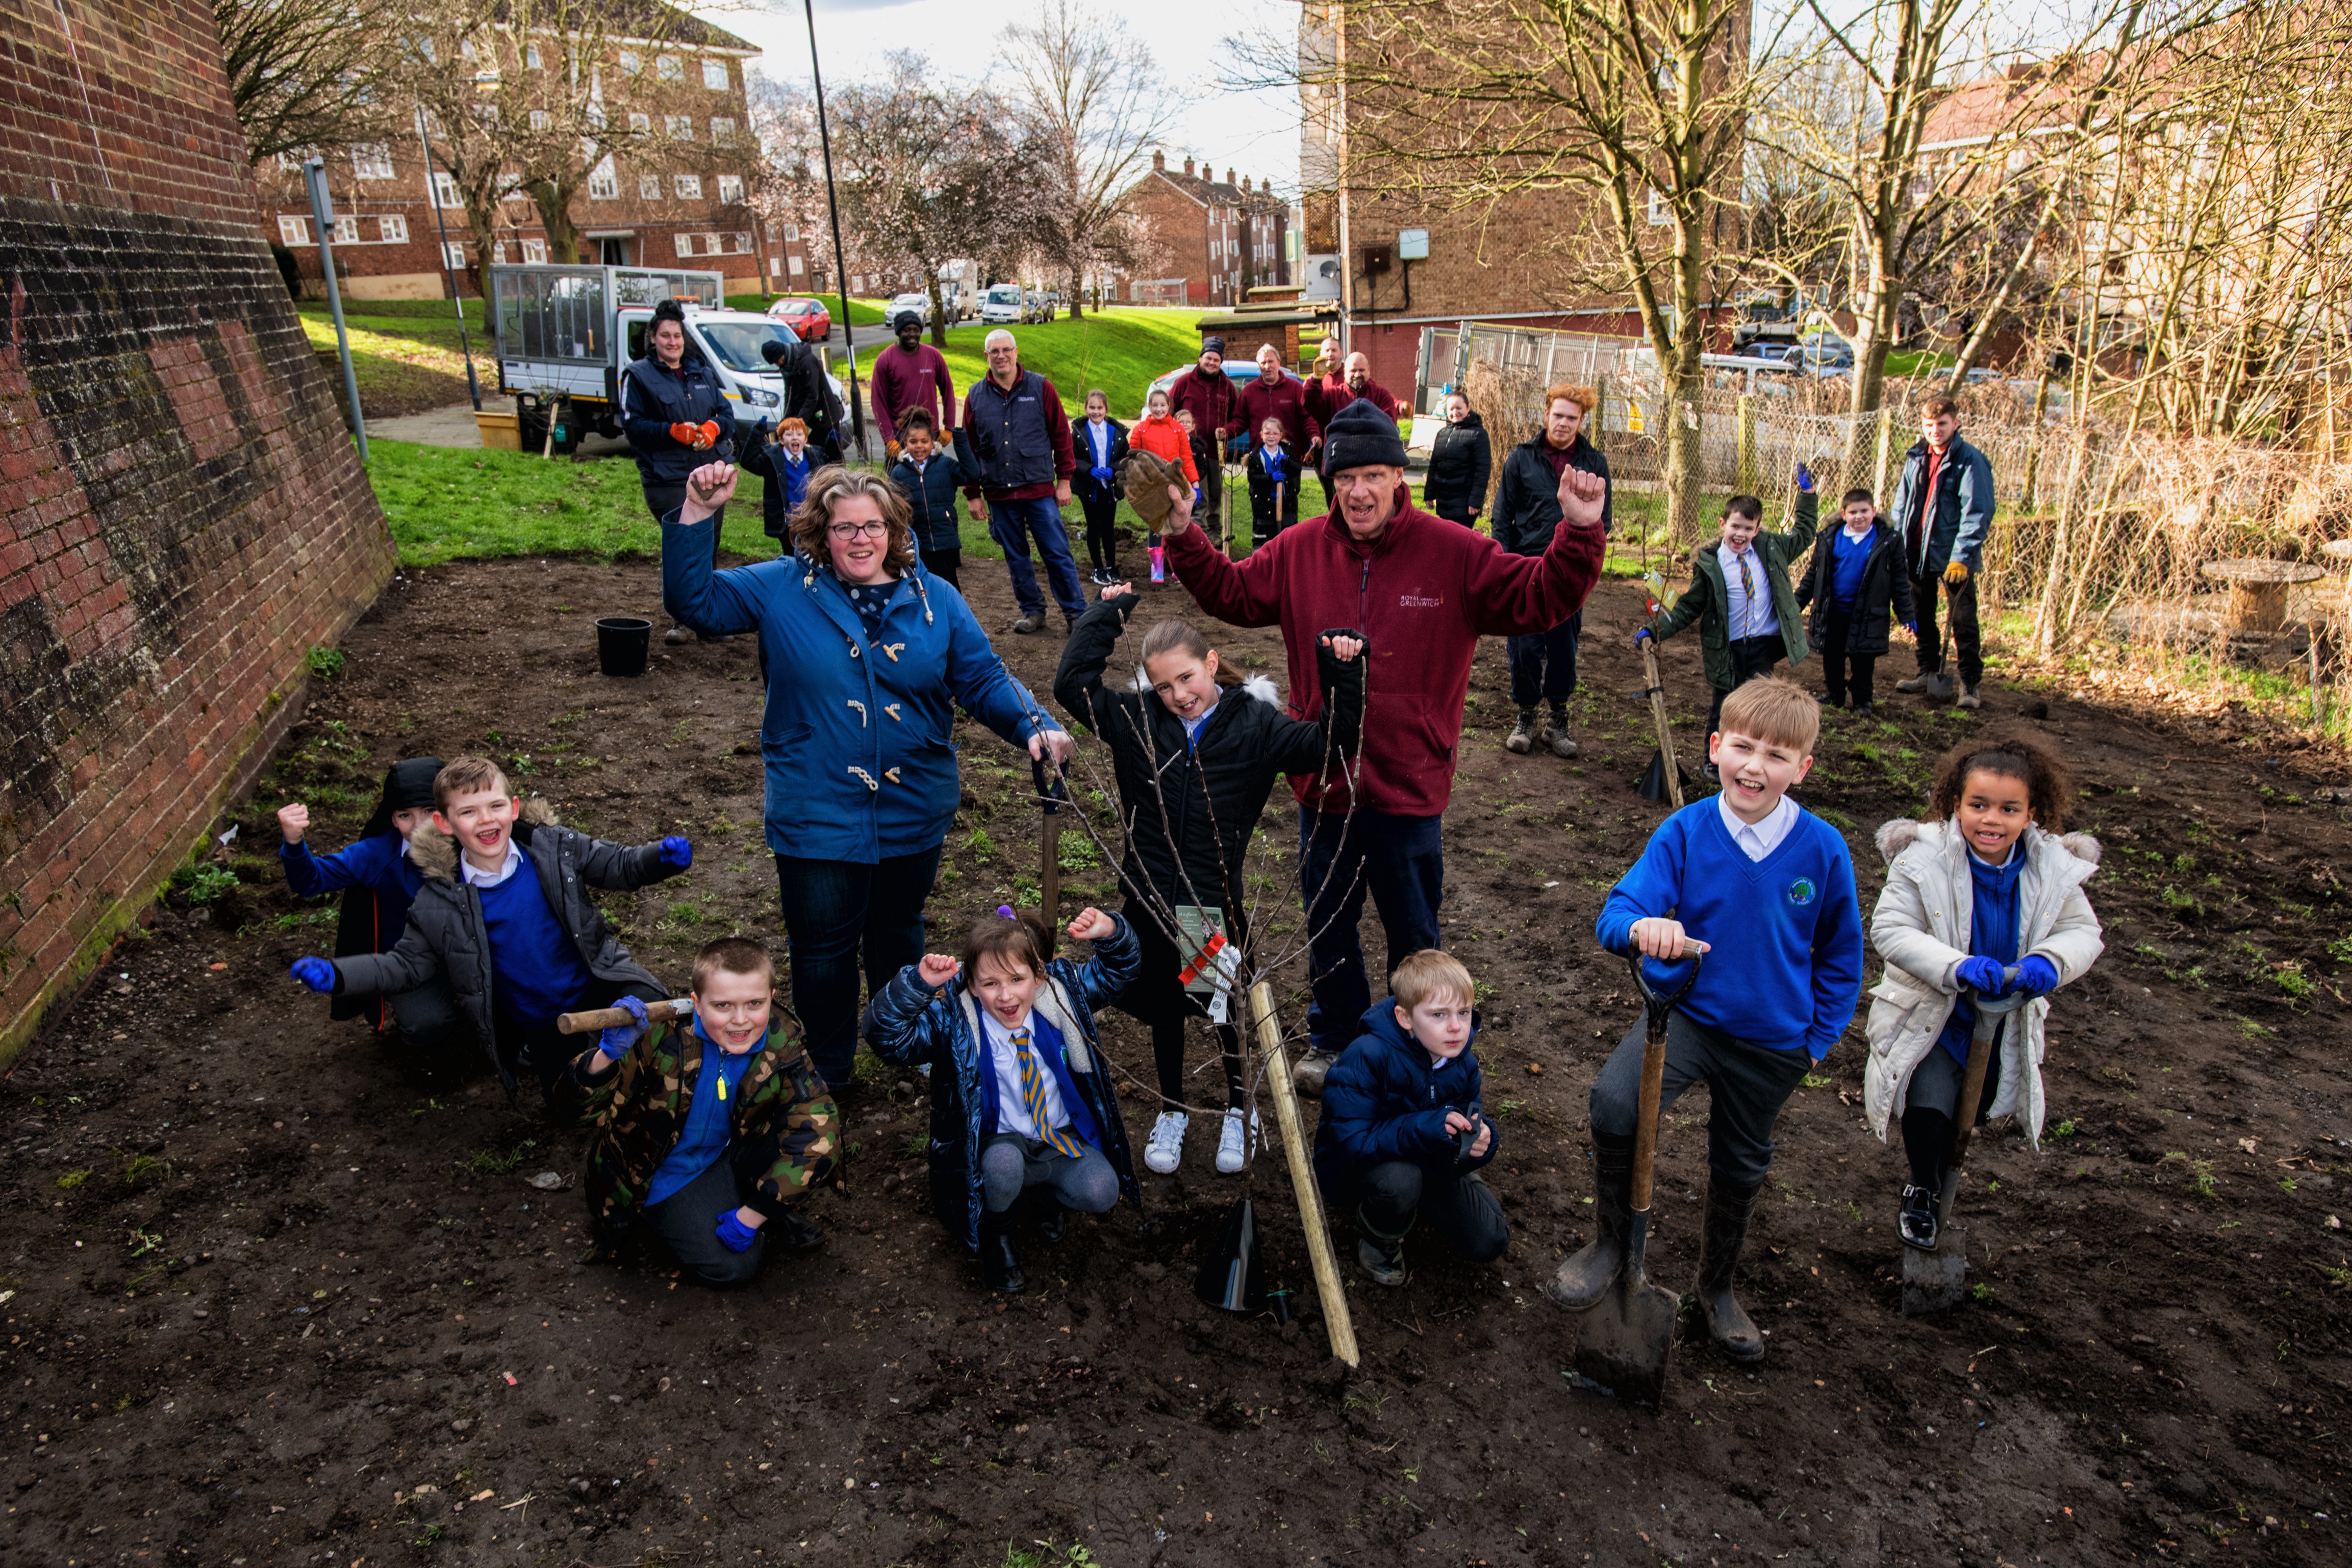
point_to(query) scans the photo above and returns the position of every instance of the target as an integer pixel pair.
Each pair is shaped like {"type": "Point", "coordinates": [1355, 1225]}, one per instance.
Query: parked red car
{"type": "Point", "coordinates": [809, 319]}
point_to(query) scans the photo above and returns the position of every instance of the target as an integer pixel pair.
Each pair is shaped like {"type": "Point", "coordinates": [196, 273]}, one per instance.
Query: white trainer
{"type": "Point", "coordinates": [1233, 1142]}
{"type": "Point", "coordinates": [1166, 1146]}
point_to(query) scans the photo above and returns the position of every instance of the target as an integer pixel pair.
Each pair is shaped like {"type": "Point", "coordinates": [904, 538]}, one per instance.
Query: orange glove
{"type": "Point", "coordinates": [1956, 574]}
{"type": "Point", "coordinates": [683, 434]}
{"type": "Point", "coordinates": [709, 432]}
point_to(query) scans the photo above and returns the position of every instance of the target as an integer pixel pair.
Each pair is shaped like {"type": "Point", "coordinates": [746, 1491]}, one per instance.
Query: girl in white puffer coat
{"type": "Point", "coordinates": [1983, 882]}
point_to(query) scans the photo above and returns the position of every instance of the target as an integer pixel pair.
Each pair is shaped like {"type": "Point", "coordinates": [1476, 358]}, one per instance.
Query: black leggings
{"type": "Point", "coordinates": [1157, 997]}
{"type": "Point", "coordinates": [1102, 534]}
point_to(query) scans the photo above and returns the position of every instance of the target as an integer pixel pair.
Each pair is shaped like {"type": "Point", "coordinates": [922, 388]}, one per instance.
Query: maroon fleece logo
{"type": "Point", "coordinates": [1422, 601]}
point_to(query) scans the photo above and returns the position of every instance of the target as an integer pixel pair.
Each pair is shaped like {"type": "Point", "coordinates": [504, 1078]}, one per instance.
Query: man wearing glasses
{"type": "Point", "coordinates": [1016, 439]}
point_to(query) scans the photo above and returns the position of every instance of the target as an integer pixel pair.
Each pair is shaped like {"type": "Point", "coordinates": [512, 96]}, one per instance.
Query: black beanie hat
{"type": "Point", "coordinates": [774, 350]}
{"type": "Point", "coordinates": [1212, 344]}
{"type": "Point", "coordinates": [904, 318]}
{"type": "Point", "coordinates": [407, 787]}
{"type": "Point", "coordinates": [1361, 436]}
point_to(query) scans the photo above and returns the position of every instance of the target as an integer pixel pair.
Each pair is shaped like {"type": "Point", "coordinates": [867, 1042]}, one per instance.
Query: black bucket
{"type": "Point", "coordinates": [622, 643]}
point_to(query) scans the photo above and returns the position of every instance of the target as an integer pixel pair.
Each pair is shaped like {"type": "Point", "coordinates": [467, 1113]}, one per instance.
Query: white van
{"type": "Point", "coordinates": [1002, 305]}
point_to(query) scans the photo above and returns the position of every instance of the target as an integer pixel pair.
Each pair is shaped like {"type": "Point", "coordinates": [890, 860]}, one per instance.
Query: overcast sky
{"type": "Point", "coordinates": [1255, 135]}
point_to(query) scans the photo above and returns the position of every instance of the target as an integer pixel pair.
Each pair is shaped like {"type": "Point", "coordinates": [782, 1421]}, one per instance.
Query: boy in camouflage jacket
{"type": "Point", "coordinates": [714, 1132]}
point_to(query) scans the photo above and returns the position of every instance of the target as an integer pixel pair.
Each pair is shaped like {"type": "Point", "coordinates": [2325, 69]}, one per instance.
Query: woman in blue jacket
{"type": "Point", "coordinates": [869, 656]}
{"type": "Point", "coordinates": [676, 417]}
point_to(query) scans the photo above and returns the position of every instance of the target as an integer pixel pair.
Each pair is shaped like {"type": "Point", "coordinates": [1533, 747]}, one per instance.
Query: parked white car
{"type": "Point", "coordinates": [918, 303]}
{"type": "Point", "coordinates": [1003, 306]}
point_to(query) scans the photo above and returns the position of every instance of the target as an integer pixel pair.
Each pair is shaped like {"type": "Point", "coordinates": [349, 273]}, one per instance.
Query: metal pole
{"type": "Point", "coordinates": [448, 275]}
{"type": "Point", "coordinates": [840, 263]}
{"type": "Point", "coordinates": [322, 213]}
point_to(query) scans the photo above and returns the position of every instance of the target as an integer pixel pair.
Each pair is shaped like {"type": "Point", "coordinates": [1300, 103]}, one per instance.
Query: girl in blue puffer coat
{"type": "Point", "coordinates": [1019, 1096]}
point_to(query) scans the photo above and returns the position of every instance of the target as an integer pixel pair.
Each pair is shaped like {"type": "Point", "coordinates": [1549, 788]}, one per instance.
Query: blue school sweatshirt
{"type": "Point", "coordinates": [1992, 933]}
{"type": "Point", "coordinates": [710, 1121]}
{"type": "Point", "coordinates": [1850, 563]}
{"type": "Point", "coordinates": [379, 863]}
{"type": "Point", "coordinates": [536, 963]}
{"type": "Point", "coordinates": [1785, 965]}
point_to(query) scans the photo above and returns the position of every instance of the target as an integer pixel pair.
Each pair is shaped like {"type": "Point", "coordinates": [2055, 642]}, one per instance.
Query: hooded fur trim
{"type": "Point", "coordinates": [1896, 837]}
{"type": "Point", "coordinates": [1261, 686]}
{"type": "Point", "coordinates": [435, 853]}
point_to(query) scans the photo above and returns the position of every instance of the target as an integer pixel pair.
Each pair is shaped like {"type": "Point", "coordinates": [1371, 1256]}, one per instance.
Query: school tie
{"type": "Point", "coordinates": [1747, 589]}
{"type": "Point", "coordinates": [1033, 1095]}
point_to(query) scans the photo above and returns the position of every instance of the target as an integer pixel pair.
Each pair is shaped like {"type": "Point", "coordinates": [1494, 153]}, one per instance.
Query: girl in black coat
{"type": "Point", "coordinates": [1461, 461]}
{"type": "Point", "coordinates": [1100, 444]}
{"type": "Point", "coordinates": [1859, 588]}
{"type": "Point", "coordinates": [1194, 764]}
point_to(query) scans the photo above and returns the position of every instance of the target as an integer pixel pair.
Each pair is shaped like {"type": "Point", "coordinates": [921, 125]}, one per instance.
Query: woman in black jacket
{"type": "Point", "coordinates": [1461, 461]}
{"type": "Point", "coordinates": [1194, 764]}
{"type": "Point", "coordinates": [677, 419]}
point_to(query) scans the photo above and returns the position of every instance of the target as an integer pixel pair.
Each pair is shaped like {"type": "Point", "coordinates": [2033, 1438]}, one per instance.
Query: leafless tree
{"type": "Point", "coordinates": [1094, 104]}
{"type": "Point", "coordinates": [308, 75]}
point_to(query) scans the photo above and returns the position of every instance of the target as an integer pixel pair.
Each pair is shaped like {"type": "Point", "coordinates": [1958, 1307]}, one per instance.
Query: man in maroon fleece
{"type": "Point", "coordinates": [1424, 591]}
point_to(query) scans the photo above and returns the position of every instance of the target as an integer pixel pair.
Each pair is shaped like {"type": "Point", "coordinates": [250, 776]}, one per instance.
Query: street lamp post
{"type": "Point", "coordinates": [832, 207]}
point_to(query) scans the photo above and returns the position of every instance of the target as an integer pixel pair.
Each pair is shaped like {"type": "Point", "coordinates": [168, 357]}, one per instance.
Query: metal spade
{"type": "Point", "coordinates": [1623, 1344]}
{"type": "Point", "coordinates": [1934, 1281]}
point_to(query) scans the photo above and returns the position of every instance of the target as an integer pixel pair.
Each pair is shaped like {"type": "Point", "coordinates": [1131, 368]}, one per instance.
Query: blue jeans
{"type": "Point", "coordinates": [1010, 524]}
{"type": "Point", "coordinates": [832, 909]}
{"type": "Point", "coordinates": [1543, 665]}
{"type": "Point", "coordinates": [1398, 860]}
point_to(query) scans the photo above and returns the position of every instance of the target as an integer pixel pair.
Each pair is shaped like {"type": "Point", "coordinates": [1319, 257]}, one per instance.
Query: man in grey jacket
{"type": "Point", "coordinates": [1943, 509]}
{"type": "Point", "coordinates": [502, 913]}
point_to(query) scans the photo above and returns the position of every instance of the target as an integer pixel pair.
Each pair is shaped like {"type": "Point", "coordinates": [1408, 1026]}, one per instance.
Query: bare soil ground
{"type": "Point", "coordinates": [275, 1296]}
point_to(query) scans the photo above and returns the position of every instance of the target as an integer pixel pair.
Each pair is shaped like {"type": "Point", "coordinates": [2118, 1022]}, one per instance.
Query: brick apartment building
{"type": "Point", "coordinates": [674, 200]}
{"type": "Point", "coordinates": [1216, 239]}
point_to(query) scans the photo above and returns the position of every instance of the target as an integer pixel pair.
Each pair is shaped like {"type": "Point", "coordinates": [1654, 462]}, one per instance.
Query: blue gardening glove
{"type": "Point", "coordinates": [734, 1235]}
{"type": "Point", "coordinates": [618, 1041]}
{"type": "Point", "coordinates": [1645, 635]}
{"type": "Point", "coordinates": [1196, 495]}
{"type": "Point", "coordinates": [1101, 471]}
{"type": "Point", "coordinates": [2036, 975]}
{"type": "Point", "coordinates": [1982, 975]}
{"type": "Point", "coordinates": [1804, 479]}
{"type": "Point", "coordinates": [1911, 627]}
{"type": "Point", "coordinates": [1274, 467]}
{"type": "Point", "coordinates": [677, 853]}
{"type": "Point", "coordinates": [318, 974]}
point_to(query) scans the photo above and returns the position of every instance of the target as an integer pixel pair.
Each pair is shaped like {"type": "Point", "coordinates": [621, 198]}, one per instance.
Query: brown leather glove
{"type": "Point", "coordinates": [1145, 478]}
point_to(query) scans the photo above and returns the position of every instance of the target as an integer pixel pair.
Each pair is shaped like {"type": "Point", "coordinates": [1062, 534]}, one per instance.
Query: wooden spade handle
{"type": "Point", "coordinates": [597, 1019]}
{"type": "Point", "coordinates": [1658, 717]}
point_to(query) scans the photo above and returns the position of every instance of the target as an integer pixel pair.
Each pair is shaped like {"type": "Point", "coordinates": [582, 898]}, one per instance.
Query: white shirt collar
{"type": "Point", "coordinates": [1853, 533]}
{"type": "Point", "coordinates": [1757, 840]}
{"type": "Point", "coordinates": [478, 878]}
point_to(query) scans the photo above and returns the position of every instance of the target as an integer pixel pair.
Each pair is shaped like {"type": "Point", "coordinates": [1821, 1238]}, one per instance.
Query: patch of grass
{"type": "Point", "coordinates": [203, 882]}
{"type": "Point", "coordinates": [491, 1162]}
{"type": "Point", "coordinates": [141, 1169]}
{"type": "Point", "coordinates": [2064, 1129]}
{"type": "Point", "coordinates": [326, 663]}
{"type": "Point", "coordinates": [1077, 853]}
{"type": "Point", "coordinates": [72, 1180]}
{"type": "Point", "coordinates": [2340, 950]}
{"type": "Point", "coordinates": [980, 844]}
{"type": "Point", "coordinates": [2252, 1030]}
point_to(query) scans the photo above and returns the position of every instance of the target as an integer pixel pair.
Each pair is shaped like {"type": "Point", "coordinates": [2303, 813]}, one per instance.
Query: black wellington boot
{"type": "Point", "coordinates": [998, 1265]}
{"type": "Point", "coordinates": [1726, 1232]}
{"type": "Point", "coordinates": [1584, 1278]}
{"type": "Point", "coordinates": [1047, 1212]}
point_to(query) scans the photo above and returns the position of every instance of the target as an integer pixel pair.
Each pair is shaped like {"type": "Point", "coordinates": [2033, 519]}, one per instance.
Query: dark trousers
{"type": "Point", "coordinates": [1010, 523]}
{"type": "Point", "coordinates": [834, 911]}
{"type": "Point", "coordinates": [1747, 1085]}
{"type": "Point", "coordinates": [1396, 860]}
{"type": "Point", "coordinates": [1463, 1209]}
{"type": "Point", "coordinates": [1751, 656]}
{"type": "Point", "coordinates": [687, 1220]}
{"type": "Point", "coordinates": [944, 564]}
{"type": "Point", "coordinates": [1931, 1109]}
{"type": "Point", "coordinates": [426, 1017]}
{"type": "Point", "coordinates": [1840, 669]}
{"type": "Point", "coordinates": [1156, 998]}
{"type": "Point", "coordinates": [1966, 640]}
{"type": "Point", "coordinates": [1543, 666]}
{"type": "Point", "coordinates": [1102, 533]}
{"type": "Point", "coordinates": [1457, 512]}
{"type": "Point", "coordinates": [539, 1051]}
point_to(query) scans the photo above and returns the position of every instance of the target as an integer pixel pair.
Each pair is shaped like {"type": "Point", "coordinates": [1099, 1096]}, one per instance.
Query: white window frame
{"type": "Point", "coordinates": [371, 160]}
{"type": "Point", "coordinates": [604, 182]}
{"type": "Point", "coordinates": [794, 266]}
{"type": "Point", "coordinates": [632, 62]}
{"type": "Point", "coordinates": [293, 232]}
{"type": "Point", "coordinates": [534, 253]}
{"type": "Point", "coordinates": [731, 190]}
{"type": "Point", "coordinates": [541, 120]}
{"type": "Point", "coordinates": [453, 255]}
{"type": "Point", "coordinates": [688, 187]}
{"type": "Point", "coordinates": [685, 243]}
{"type": "Point", "coordinates": [649, 187]}
{"type": "Point", "coordinates": [679, 127]}
{"type": "Point", "coordinates": [641, 124]}
{"type": "Point", "coordinates": [668, 68]}
{"type": "Point", "coordinates": [499, 253]}
{"type": "Point", "coordinates": [722, 130]}
{"type": "Point", "coordinates": [347, 231]}
{"type": "Point", "coordinates": [392, 228]}
{"type": "Point", "coordinates": [714, 74]}
{"type": "Point", "coordinates": [445, 190]}
{"type": "Point", "coordinates": [792, 234]}
{"type": "Point", "coordinates": [530, 58]}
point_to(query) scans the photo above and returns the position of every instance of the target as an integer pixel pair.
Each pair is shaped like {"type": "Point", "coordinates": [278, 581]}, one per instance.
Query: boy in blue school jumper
{"type": "Point", "coordinates": [1766, 889]}
{"type": "Point", "coordinates": [502, 914]}
{"type": "Point", "coordinates": [378, 881]}
{"type": "Point", "coordinates": [1859, 591]}
{"type": "Point", "coordinates": [786, 468]}
{"type": "Point", "coordinates": [1403, 1131]}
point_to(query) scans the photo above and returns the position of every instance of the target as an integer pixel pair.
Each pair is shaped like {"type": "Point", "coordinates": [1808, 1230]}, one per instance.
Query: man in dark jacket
{"type": "Point", "coordinates": [1424, 591]}
{"type": "Point", "coordinates": [1403, 1127]}
{"type": "Point", "coordinates": [808, 394]}
{"type": "Point", "coordinates": [1943, 509]}
{"type": "Point", "coordinates": [502, 913]}
{"type": "Point", "coordinates": [1203, 390]}
{"type": "Point", "coordinates": [1461, 463]}
{"type": "Point", "coordinates": [1527, 508]}
{"type": "Point", "coordinates": [1015, 442]}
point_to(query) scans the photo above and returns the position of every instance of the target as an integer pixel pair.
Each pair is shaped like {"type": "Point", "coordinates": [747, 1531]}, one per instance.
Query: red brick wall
{"type": "Point", "coordinates": [182, 516]}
